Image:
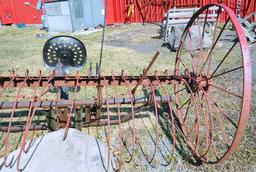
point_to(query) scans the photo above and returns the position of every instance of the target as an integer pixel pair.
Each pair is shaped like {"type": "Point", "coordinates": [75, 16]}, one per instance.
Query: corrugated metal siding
{"type": "Point", "coordinates": [17, 12]}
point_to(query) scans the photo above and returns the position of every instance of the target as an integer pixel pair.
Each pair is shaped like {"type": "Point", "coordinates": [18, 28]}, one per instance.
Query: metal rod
{"type": "Point", "coordinates": [65, 103]}
{"type": "Point", "coordinates": [54, 81]}
{"type": "Point", "coordinates": [103, 36]}
{"type": "Point", "coordinates": [145, 72]}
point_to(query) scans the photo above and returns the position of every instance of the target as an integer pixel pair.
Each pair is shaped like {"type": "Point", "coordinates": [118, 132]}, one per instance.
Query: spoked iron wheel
{"type": "Point", "coordinates": [213, 101]}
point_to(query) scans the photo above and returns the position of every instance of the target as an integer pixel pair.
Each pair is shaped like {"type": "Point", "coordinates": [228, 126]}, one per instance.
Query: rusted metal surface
{"type": "Point", "coordinates": [48, 81]}
{"type": "Point", "coordinates": [243, 97]}
{"type": "Point", "coordinates": [207, 97]}
{"type": "Point", "coordinates": [145, 73]}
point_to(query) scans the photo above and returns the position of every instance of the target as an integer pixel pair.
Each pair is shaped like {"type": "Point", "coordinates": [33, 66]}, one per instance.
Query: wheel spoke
{"type": "Point", "coordinates": [224, 58]}
{"type": "Point", "coordinates": [223, 113]}
{"type": "Point", "coordinates": [232, 70]}
{"type": "Point", "coordinates": [226, 91]}
{"type": "Point", "coordinates": [180, 90]}
{"type": "Point", "coordinates": [205, 20]}
{"type": "Point", "coordinates": [210, 125]}
{"type": "Point", "coordinates": [214, 44]}
{"type": "Point", "coordinates": [202, 36]}
{"type": "Point", "coordinates": [220, 124]}
{"type": "Point", "coordinates": [213, 39]}
{"type": "Point", "coordinates": [186, 114]}
{"type": "Point", "coordinates": [191, 54]}
{"type": "Point", "coordinates": [186, 102]}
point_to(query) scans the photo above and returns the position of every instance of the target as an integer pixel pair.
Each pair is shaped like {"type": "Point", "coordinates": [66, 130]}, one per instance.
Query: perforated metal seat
{"type": "Point", "coordinates": [67, 50]}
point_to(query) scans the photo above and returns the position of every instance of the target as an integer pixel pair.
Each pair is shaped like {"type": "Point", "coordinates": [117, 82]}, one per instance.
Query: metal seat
{"type": "Point", "coordinates": [68, 51]}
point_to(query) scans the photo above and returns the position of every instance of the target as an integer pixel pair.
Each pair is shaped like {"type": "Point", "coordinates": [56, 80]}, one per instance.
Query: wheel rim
{"type": "Point", "coordinates": [213, 103]}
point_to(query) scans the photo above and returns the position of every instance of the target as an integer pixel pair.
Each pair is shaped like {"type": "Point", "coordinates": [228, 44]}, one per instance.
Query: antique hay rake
{"type": "Point", "coordinates": [207, 96]}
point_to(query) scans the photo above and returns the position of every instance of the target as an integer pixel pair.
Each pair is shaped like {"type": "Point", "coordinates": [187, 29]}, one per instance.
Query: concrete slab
{"type": "Point", "coordinates": [79, 152]}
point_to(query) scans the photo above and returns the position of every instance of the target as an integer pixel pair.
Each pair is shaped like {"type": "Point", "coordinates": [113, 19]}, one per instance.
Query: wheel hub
{"type": "Point", "coordinates": [196, 83]}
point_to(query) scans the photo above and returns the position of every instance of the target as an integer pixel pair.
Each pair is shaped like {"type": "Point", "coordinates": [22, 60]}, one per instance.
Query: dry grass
{"type": "Point", "coordinates": [21, 49]}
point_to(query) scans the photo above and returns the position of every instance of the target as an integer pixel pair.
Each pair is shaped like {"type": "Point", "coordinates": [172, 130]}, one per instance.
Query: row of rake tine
{"type": "Point", "coordinates": [130, 92]}
{"type": "Point", "coordinates": [30, 117]}
{"type": "Point", "coordinates": [131, 95]}
{"type": "Point", "coordinates": [37, 98]}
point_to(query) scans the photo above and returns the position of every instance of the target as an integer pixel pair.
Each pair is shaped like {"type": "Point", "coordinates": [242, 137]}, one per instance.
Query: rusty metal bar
{"type": "Point", "coordinates": [48, 81]}
{"type": "Point", "coordinates": [145, 72]}
{"type": "Point", "coordinates": [14, 129]}
{"type": "Point", "coordinates": [92, 123]}
{"type": "Point", "coordinates": [87, 102]}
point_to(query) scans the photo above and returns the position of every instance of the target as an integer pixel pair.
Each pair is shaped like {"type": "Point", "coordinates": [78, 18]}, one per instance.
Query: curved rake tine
{"type": "Point", "coordinates": [68, 120]}
{"type": "Point", "coordinates": [153, 88]}
{"type": "Point", "coordinates": [196, 125]}
{"type": "Point", "coordinates": [127, 149]}
{"type": "Point", "coordinates": [168, 162]}
{"type": "Point", "coordinates": [149, 160]}
{"type": "Point", "coordinates": [159, 149]}
{"type": "Point", "coordinates": [119, 122]}
{"type": "Point", "coordinates": [210, 129]}
{"type": "Point", "coordinates": [170, 110]}
{"type": "Point", "coordinates": [195, 147]}
{"type": "Point", "coordinates": [210, 100]}
{"type": "Point", "coordinates": [72, 107]}
{"type": "Point", "coordinates": [154, 142]}
{"type": "Point", "coordinates": [177, 97]}
{"type": "Point", "coordinates": [23, 143]}
{"type": "Point", "coordinates": [9, 127]}
{"type": "Point", "coordinates": [207, 98]}
{"type": "Point", "coordinates": [212, 125]}
{"type": "Point", "coordinates": [133, 116]}
{"type": "Point", "coordinates": [31, 108]}
{"type": "Point", "coordinates": [12, 115]}
{"type": "Point", "coordinates": [108, 122]}
{"type": "Point", "coordinates": [145, 155]}
{"type": "Point", "coordinates": [173, 130]}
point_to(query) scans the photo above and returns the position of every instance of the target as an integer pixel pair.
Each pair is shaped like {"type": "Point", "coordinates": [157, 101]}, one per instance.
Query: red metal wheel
{"type": "Point", "coordinates": [213, 101]}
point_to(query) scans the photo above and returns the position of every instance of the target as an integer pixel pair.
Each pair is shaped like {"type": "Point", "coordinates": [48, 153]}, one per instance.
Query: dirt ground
{"type": "Point", "coordinates": [139, 39]}
{"type": "Point", "coordinates": [128, 47]}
